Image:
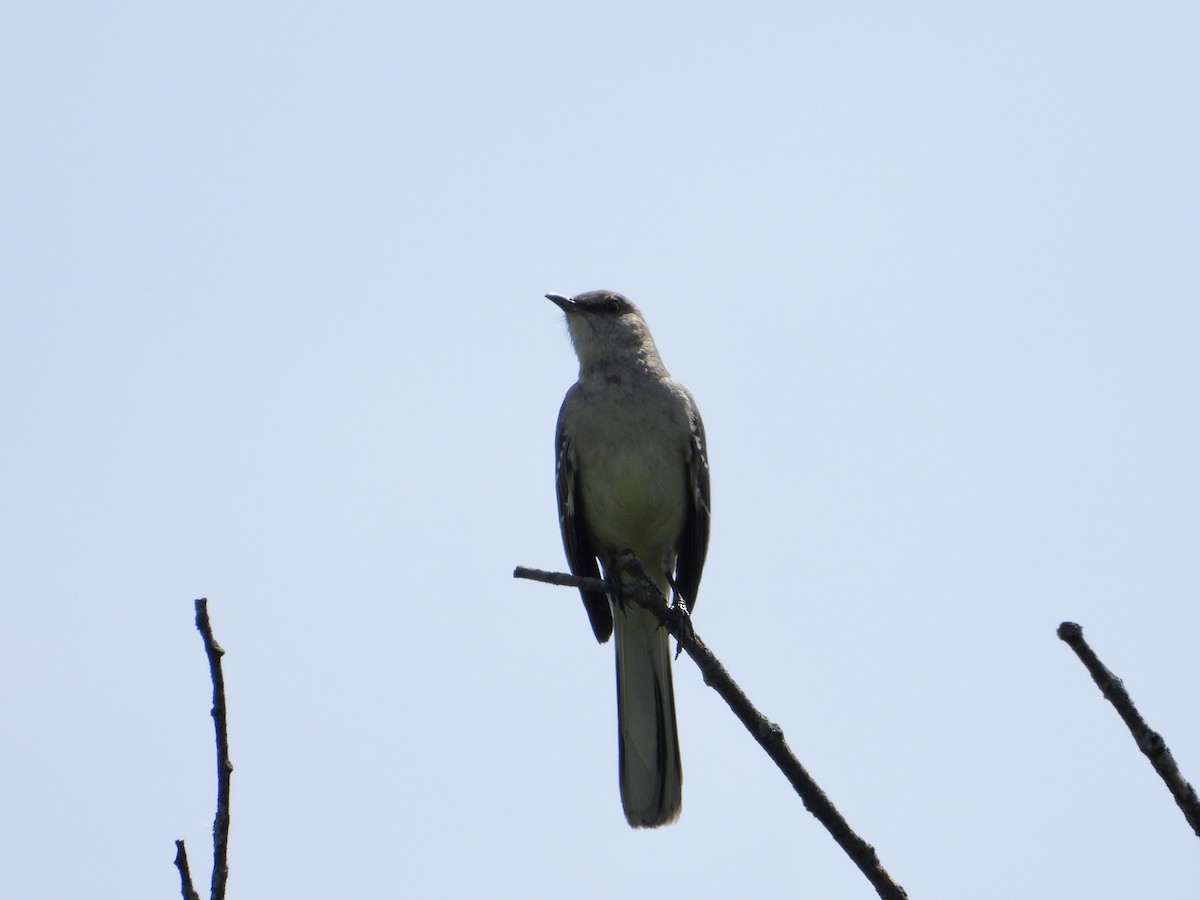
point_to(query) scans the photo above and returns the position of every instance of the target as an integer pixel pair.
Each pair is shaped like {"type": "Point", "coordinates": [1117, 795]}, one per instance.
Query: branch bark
{"type": "Point", "coordinates": [1149, 741]}
{"type": "Point", "coordinates": [185, 874]}
{"type": "Point", "coordinates": [220, 872]}
{"type": "Point", "coordinates": [641, 590]}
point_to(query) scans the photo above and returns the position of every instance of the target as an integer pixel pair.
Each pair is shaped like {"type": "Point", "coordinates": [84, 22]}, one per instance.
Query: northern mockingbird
{"type": "Point", "coordinates": [632, 474]}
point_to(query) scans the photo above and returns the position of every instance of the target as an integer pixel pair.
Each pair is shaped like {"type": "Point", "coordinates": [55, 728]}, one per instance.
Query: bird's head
{"type": "Point", "coordinates": [606, 328]}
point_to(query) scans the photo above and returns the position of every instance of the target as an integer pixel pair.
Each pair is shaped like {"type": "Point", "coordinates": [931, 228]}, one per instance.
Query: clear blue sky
{"type": "Point", "coordinates": [271, 278]}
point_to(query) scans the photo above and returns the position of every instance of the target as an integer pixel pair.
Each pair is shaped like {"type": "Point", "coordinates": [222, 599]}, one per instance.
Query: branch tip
{"type": "Point", "coordinates": [1069, 631]}
{"type": "Point", "coordinates": [1149, 741]}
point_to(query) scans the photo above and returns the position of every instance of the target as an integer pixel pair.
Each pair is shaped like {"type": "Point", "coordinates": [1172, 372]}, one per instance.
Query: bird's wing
{"type": "Point", "coordinates": [581, 557]}
{"type": "Point", "coordinates": [693, 546]}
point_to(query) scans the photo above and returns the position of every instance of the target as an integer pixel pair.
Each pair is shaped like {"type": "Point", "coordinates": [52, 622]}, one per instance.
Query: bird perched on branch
{"type": "Point", "coordinates": [632, 473]}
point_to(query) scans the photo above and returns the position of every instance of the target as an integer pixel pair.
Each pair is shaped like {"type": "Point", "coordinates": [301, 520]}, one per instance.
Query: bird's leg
{"type": "Point", "coordinates": [685, 616]}
{"type": "Point", "coordinates": [616, 590]}
{"type": "Point", "coordinates": [675, 599]}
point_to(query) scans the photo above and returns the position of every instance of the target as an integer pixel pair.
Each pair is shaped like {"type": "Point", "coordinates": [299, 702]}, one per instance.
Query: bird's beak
{"type": "Point", "coordinates": [566, 304]}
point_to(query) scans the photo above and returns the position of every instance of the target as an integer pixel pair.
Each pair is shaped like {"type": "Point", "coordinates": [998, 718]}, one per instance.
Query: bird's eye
{"type": "Point", "coordinates": [612, 304]}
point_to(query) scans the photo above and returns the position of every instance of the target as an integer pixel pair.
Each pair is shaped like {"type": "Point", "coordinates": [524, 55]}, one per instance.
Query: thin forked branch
{"type": "Point", "coordinates": [220, 872]}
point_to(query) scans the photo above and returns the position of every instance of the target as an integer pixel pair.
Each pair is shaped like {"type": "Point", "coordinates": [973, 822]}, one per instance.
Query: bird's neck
{"type": "Point", "coordinates": [641, 361]}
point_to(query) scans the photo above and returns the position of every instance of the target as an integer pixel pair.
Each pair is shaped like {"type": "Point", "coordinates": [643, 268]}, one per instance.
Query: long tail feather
{"type": "Point", "coordinates": [650, 774]}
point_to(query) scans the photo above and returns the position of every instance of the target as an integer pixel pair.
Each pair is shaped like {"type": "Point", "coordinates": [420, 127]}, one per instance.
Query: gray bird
{"type": "Point", "coordinates": [632, 472]}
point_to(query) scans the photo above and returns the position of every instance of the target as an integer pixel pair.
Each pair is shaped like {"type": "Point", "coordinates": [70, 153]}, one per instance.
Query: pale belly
{"type": "Point", "coordinates": [642, 506]}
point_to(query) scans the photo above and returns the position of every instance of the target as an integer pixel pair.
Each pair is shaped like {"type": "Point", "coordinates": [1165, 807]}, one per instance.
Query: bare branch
{"type": "Point", "coordinates": [220, 873]}
{"type": "Point", "coordinates": [561, 578]}
{"type": "Point", "coordinates": [1150, 742]}
{"type": "Point", "coordinates": [185, 874]}
{"type": "Point", "coordinates": [639, 589]}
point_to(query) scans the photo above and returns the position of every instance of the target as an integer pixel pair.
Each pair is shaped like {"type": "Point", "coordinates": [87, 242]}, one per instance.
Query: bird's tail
{"type": "Point", "coordinates": [650, 774]}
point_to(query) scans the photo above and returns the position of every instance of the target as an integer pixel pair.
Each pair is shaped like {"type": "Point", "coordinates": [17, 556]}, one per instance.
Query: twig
{"type": "Point", "coordinates": [641, 590]}
{"type": "Point", "coordinates": [220, 873]}
{"type": "Point", "coordinates": [185, 874]}
{"type": "Point", "coordinates": [561, 578]}
{"type": "Point", "coordinates": [1150, 742]}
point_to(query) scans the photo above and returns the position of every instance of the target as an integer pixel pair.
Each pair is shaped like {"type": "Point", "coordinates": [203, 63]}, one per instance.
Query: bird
{"type": "Point", "coordinates": [632, 475]}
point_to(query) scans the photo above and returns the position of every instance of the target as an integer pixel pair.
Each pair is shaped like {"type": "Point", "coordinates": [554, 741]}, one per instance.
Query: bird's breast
{"type": "Point", "coordinates": [635, 496]}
